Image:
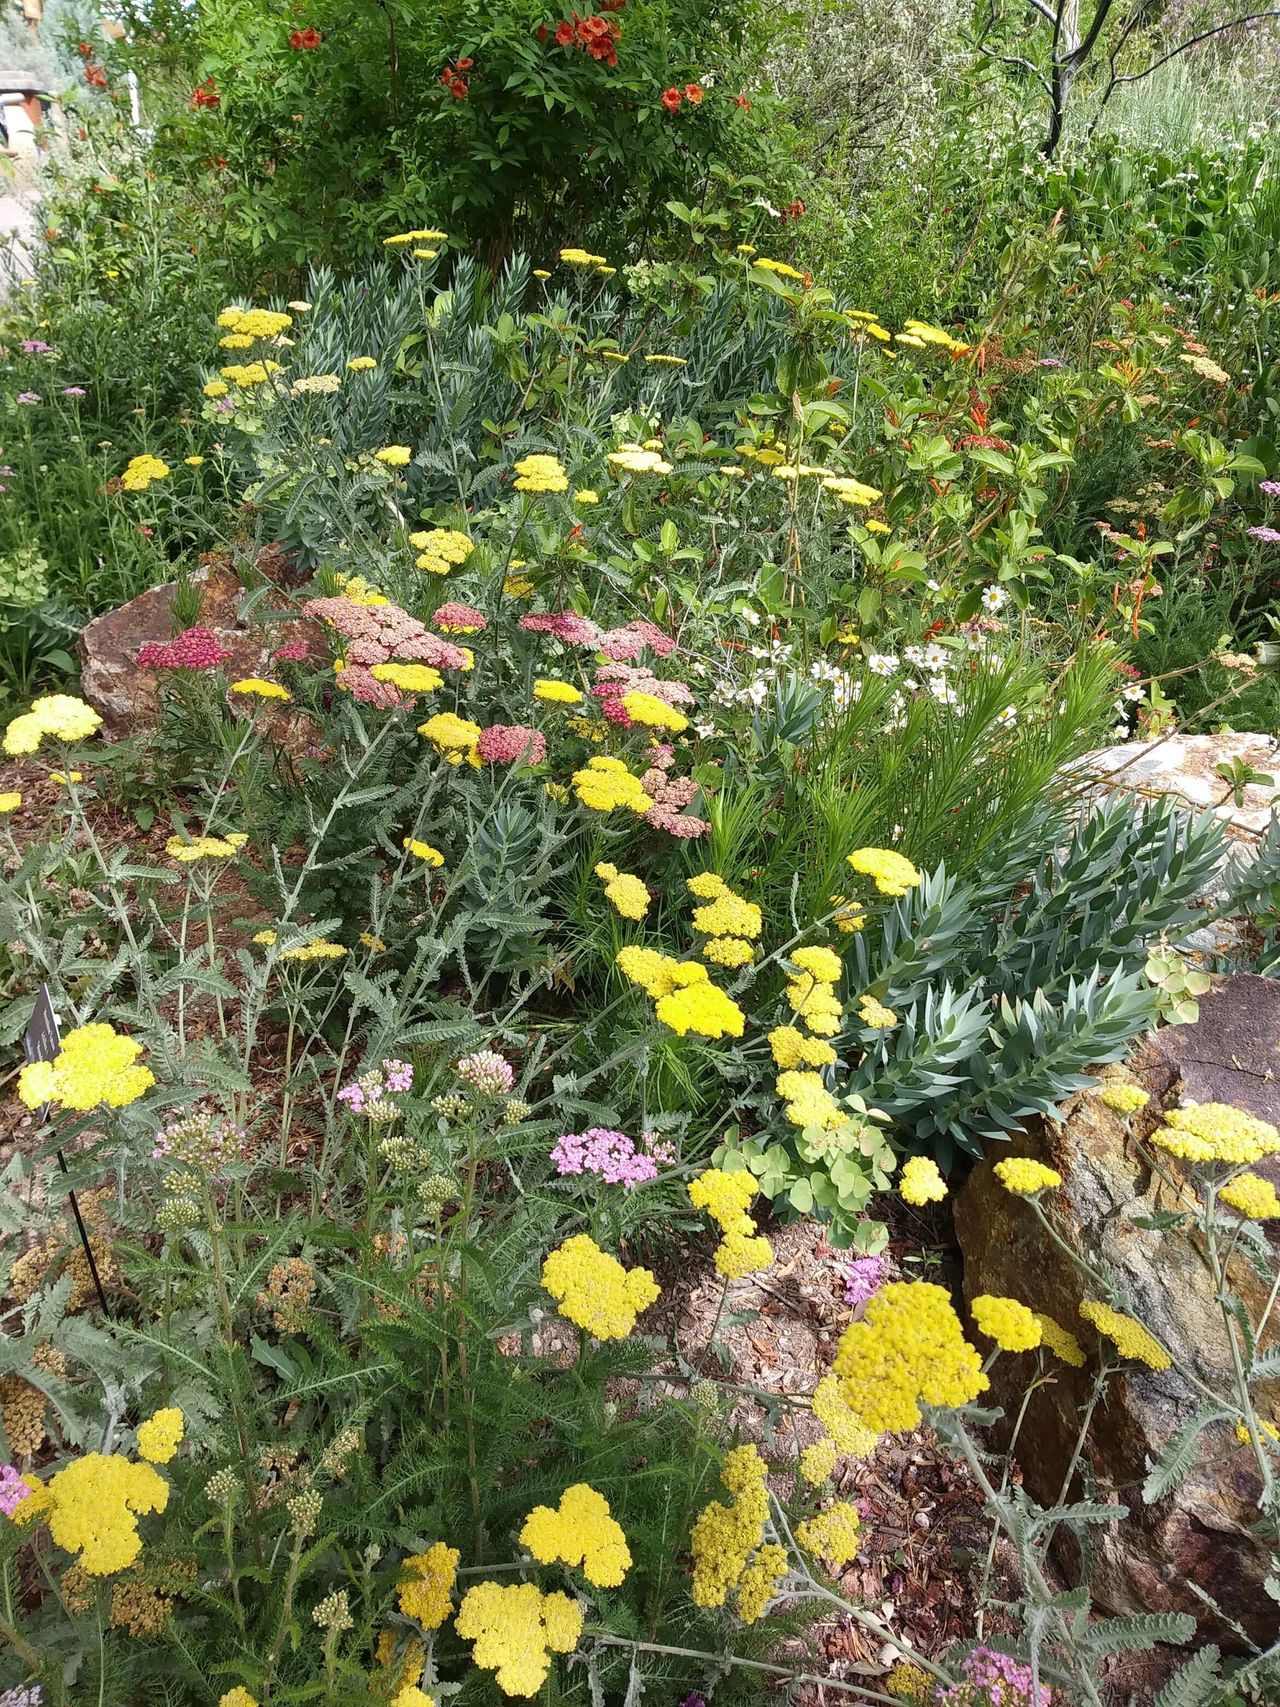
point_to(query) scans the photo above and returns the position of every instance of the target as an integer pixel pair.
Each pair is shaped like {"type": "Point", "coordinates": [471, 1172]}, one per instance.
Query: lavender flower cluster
{"type": "Point", "coordinates": [611, 1156]}
{"type": "Point", "coordinates": [993, 1679]}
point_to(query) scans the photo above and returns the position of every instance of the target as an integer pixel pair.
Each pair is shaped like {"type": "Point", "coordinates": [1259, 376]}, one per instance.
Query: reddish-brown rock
{"type": "Point", "coordinates": [1205, 1532]}
{"type": "Point", "coordinates": [128, 698]}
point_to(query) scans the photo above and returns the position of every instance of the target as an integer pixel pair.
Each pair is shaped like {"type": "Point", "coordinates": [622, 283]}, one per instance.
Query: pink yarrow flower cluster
{"type": "Point", "coordinates": [454, 618]}
{"type": "Point", "coordinates": [611, 1156]}
{"type": "Point", "coordinates": [376, 634]}
{"type": "Point", "coordinates": [620, 644]}
{"type": "Point", "coordinates": [993, 1679]}
{"type": "Point", "coordinates": [193, 649]}
{"type": "Point", "coordinates": [505, 743]}
{"type": "Point", "coordinates": [292, 651]}
{"type": "Point", "coordinates": [13, 1490]}
{"type": "Point", "coordinates": [370, 1095]}
{"type": "Point", "coordinates": [670, 796]}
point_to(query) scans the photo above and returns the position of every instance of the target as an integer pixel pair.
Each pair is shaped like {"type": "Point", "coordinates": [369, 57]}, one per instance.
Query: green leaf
{"type": "Point", "coordinates": [1180, 1454]}
{"type": "Point", "coordinates": [1196, 1684]}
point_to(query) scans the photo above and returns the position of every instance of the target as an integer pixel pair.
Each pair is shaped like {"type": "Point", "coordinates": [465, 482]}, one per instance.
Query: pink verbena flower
{"type": "Point", "coordinates": [193, 649]}
{"type": "Point", "coordinates": [863, 1278]}
{"type": "Point", "coordinates": [460, 619]}
{"type": "Point", "coordinates": [13, 1490]}
{"type": "Point", "coordinates": [504, 743]}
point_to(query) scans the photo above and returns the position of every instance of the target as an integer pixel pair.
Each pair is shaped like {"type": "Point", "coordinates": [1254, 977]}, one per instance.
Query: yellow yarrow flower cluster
{"type": "Point", "coordinates": [851, 491]}
{"type": "Point", "coordinates": [394, 456]}
{"type": "Point", "coordinates": [257, 687]}
{"type": "Point", "coordinates": [553, 692]}
{"type": "Point", "coordinates": [923, 333]}
{"type": "Point", "coordinates": [254, 323]}
{"type": "Point", "coordinates": [892, 873]}
{"type": "Point", "coordinates": [60, 716]}
{"type": "Point", "coordinates": [909, 1682]}
{"type": "Point", "coordinates": [1253, 1196]}
{"type": "Point", "coordinates": [781, 268]}
{"type": "Point", "coordinates": [729, 951]}
{"type": "Point", "coordinates": [874, 1015]}
{"type": "Point", "coordinates": [723, 913]}
{"type": "Point", "coordinates": [652, 971]}
{"type": "Point", "coordinates": [360, 591]}
{"type": "Point", "coordinates": [760, 1582]}
{"type": "Point", "coordinates": [594, 1291]}
{"type": "Point", "coordinates": [652, 712]}
{"type": "Point", "coordinates": [1123, 1097]}
{"type": "Point", "coordinates": [606, 784]}
{"type": "Point", "coordinates": [724, 1197]}
{"type": "Point", "coordinates": [424, 851]}
{"type": "Point", "coordinates": [539, 473]}
{"type": "Point", "coordinates": [244, 376]}
{"type": "Point", "coordinates": [516, 1628]}
{"type": "Point", "coordinates": [237, 1697]}
{"type": "Point", "coordinates": [791, 1048]}
{"type": "Point", "coordinates": [818, 1462]}
{"type": "Point", "coordinates": [319, 948]}
{"type": "Point", "coordinates": [1025, 1177]}
{"type": "Point", "coordinates": [685, 998]}
{"type": "Point", "coordinates": [627, 893]}
{"type": "Point", "coordinates": [10, 800]}
{"type": "Point", "coordinates": [807, 1100]}
{"type": "Point", "coordinates": [92, 1509]}
{"type": "Point", "coordinates": [96, 1066]}
{"type": "Point", "coordinates": [908, 1348]}
{"type": "Point", "coordinates": [811, 992]}
{"type": "Point", "coordinates": [832, 1535]}
{"type": "Point", "coordinates": [160, 1435]}
{"type": "Point", "coordinates": [635, 459]}
{"type": "Point", "coordinates": [1010, 1324]}
{"type": "Point", "coordinates": [428, 234]}
{"type": "Point", "coordinates": [1059, 1340]}
{"type": "Point", "coordinates": [409, 678]}
{"type": "Point", "coordinates": [580, 1531]}
{"type": "Point", "coordinates": [696, 1004]}
{"type": "Point", "coordinates": [141, 471]}
{"type": "Point", "coordinates": [1130, 1338]}
{"type": "Point", "coordinates": [921, 1182]}
{"type": "Point", "coordinates": [453, 737]}
{"type": "Point", "coordinates": [426, 1585]}
{"type": "Point", "coordinates": [849, 1434]}
{"type": "Point", "coordinates": [361, 364]}
{"type": "Point", "coordinates": [204, 847]}
{"type": "Point", "coordinates": [441, 549]}
{"type": "Point", "coordinates": [582, 258]}
{"type": "Point", "coordinates": [1216, 1132]}
{"type": "Point", "coordinates": [725, 1536]}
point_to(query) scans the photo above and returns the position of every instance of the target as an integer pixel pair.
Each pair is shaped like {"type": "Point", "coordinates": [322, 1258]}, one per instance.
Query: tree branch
{"type": "Point", "coordinates": [1008, 58]}
{"type": "Point", "coordinates": [1194, 41]}
{"type": "Point", "coordinates": [1078, 55]}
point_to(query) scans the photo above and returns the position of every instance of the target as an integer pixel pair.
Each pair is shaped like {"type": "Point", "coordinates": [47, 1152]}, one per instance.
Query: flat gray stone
{"type": "Point", "coordinates": [1232, 1054]}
